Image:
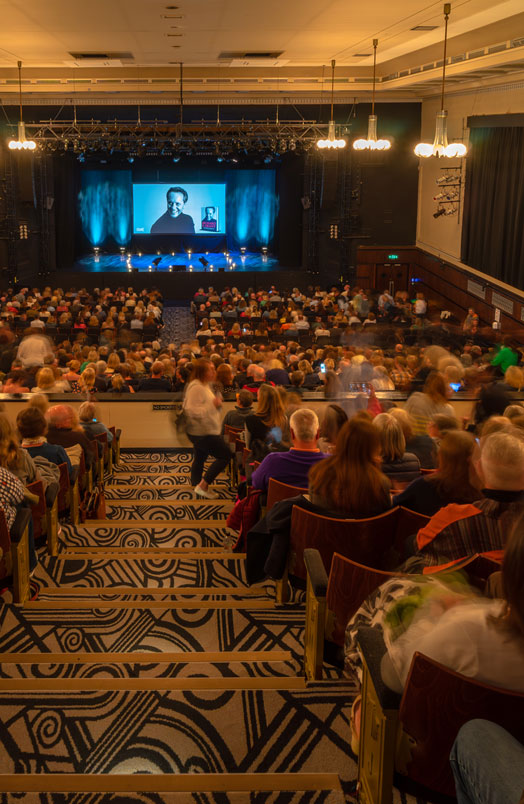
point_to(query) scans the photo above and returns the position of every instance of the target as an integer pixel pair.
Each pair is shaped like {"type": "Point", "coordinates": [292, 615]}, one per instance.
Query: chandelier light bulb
{"type": "Point", "coordinates": [440, 146]}
{"type": "Point", "coordinates": [332, 141]}
{"type": "Point", "coordinates": [22, 144]}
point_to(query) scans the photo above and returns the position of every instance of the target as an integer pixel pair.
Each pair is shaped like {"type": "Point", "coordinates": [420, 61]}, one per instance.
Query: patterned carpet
{"type": "Point", "coordinates": [216, 685]}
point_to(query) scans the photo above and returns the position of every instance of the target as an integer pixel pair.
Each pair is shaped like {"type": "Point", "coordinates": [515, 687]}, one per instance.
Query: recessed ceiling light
{"type": "Point", "coordinates": [174, 34]}
{"type": "Point", "coordinates": [424, 27]}
{"type": "Point", "coordinates": [171, 8]}
{"type": "Point", "coordinates": [361, 55]}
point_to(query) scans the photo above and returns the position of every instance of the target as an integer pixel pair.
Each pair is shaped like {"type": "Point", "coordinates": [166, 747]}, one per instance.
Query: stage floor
{"type": "Point", "coordinates": [237, 263]}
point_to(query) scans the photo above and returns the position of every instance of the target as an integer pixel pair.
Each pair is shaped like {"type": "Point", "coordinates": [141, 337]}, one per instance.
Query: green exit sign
{"type": "Point", "coordinates": [392, 256]}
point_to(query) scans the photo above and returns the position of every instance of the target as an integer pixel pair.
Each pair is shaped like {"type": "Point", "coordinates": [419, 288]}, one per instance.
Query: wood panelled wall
{"type": "Point", "coordinates": [442, 282]}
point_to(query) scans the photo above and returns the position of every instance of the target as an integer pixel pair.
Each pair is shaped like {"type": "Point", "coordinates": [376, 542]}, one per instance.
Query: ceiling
{"type": "Point", "coordinates": [139, 44]}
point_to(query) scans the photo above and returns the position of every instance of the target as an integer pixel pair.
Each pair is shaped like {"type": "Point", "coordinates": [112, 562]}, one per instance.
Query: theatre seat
{"type": "Point", "coordinates": [277, 491]}
{"type": "Point", "coordinates": [14, 554]}
{"type": "Point", "coordinates": [367, 541]}
{"type": "Point", "coordinates": [413, 734]}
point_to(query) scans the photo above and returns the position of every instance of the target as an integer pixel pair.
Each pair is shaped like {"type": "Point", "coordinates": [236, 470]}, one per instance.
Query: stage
{"type": "Point", "coordinates": [230, 262]}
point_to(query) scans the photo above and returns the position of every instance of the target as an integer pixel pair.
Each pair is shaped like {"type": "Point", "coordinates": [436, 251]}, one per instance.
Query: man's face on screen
{"type": "Point", "coordinates": [175, 204]}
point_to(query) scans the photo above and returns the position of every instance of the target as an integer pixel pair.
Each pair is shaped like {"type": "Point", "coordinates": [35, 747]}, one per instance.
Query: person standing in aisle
{"type": "Point", "coordinates": [202, 409]}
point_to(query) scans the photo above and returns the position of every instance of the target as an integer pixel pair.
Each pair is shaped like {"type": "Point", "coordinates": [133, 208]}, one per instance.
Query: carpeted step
{"type": "Point", "coordinates": [180, 534]}
{"type": "Point", "coordinates": [204, 731]}
{"type": "Point", "coordinates": [140, 568]}
{"type": "Point", "coordinates": [160, 510]}
{"type": "Point", "coordinates": [167, 491]}
{"type": "Point", "coordinates": [151, 629]}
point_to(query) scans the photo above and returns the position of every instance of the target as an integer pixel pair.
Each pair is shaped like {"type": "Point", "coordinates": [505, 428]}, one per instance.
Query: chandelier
{"type": "Point", "coordinates": [332, 141]}
{"type": "Point", "coordinates": [21, 143]}
{"type": "Point", "coordinates": [372, 143]}
{"type": "Point", "coordinates": [440, 146]}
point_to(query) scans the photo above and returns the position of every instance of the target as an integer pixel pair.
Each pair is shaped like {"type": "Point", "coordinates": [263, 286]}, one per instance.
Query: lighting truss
{"type": "Point", "coordinates": [158, 138]}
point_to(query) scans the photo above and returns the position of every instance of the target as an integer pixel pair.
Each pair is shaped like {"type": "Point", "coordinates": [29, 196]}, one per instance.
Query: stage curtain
{"type": "Point", "coordinates": [66, 185]}
{"type": "Point", "coordinates": [493, 229]}
{"type": "Point", "coordinates": [105, 206]}
{"type": "Point", "coordinates": [252, 206]}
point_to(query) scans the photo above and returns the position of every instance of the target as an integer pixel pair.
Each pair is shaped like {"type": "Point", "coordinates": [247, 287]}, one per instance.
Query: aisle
{"type": "Point", "coordinates": [179, 323]}
{"type": "Point", "coordinates": [146, 653]}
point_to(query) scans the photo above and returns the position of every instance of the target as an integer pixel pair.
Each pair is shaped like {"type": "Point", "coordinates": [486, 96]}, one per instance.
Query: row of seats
{"type": "Point", "coordinates": [339, 560]}
{"type": "Point", "coordinates": [64, 501]}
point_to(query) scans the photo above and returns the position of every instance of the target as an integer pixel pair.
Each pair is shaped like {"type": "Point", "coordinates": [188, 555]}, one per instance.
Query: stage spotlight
{"type": "Point", "coordinates": [211, 267]}
{"type": "Point", "coordinates": [207, 252]}
{"type": "Point", "coordinates": [158, 252]}
{"type": "Point", "coordinates": [172, 253]}
{"type": "Point", "coordinates": [122, 249]}
{"type": "Point", "coordinates": [149, 268]}
{"type": "Point", "coordinates": [191, 268]}
{"type": "Point", "coordinates": [234, 159]}
{"type": "Point", "coordinates": [139, 253]}
{"type": "Point", "coordinates": [203, 261]}
{"type": "Point", "coordinates": [234, 265]}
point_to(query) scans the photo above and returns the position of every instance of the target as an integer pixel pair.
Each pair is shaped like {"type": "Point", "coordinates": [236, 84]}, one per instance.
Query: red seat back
{"type": "Point", "coordinates": [63, 493]}
{"type": "Point", "coordinates": [6, 566]}
{"type": "Point", "coordinates": [277, 491]}
{"type": "Point", "coordinates": [349, 585]}
{"type": "Point", "coordinates": [38, 511]}
{"type": "Point", "coordinates": [363, 540]}
{"type": "Point", "coordinates": [435, 704]}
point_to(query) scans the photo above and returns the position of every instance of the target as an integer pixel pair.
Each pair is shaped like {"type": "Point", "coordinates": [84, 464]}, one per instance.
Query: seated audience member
{"type": "Point", "coordinates": [455, 480]}
{"type": "Point", "coordinates": [237, 417]}
{"type": "Point", "coordinates": [46, 383]}
{"type": "Point", "coordinates": [397, 464]}
{"type": "Point", "coordinates": [90, 422]}
{"type": "Point", "coordinates": [458, 531]}
{"type": "Point", "coordinates": [441, 424]}
{"type": "Point", "coordinates": [277, 373]}
{"type": "Point", "coordinates": [118, 385]}
{"type": "Point", "coordinates": [16, 459]}
{"type": "Point", "coordinates": [350, 482]}
{"type": "Point", "coordinates": [156, 382]}
{"type": "Point", "coordinates": [513, 411]}
{"type": "Point", "coordinates": [15, 382]}
{"type": "Point", "coordinates": [296, 379]}
{"type": "Point", "coordinates": [268, 425]}
{"type": "Point", "coordinates": [333, 420]}
{"type": "Point", "coordinates": [423, 405]}
{"type": "Point", "coordinates": [224, 379]}
{"type": "Point", "coordinates": [12, 493]}
{"type": "Point", "coordinates": [447, 621]}
{"type": "Point", "coordinates": [487, 760]}
{"type": "Point", "coordinates": [258, 378]}
{"type": "Point", "coordinates": [32, 427]}
{"type": "Point", "coordinates": [293, 467]}
{"type": "Point", "coordinates": [420, 445]}
{"type": "Point", "coordinates": [64, 430]}
{"type": "Point", "coordinates": [332, 385]}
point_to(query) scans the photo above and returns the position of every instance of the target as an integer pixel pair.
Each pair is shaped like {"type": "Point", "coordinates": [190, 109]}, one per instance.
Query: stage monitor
{"type": "Point", "coordinates": [179, 209]}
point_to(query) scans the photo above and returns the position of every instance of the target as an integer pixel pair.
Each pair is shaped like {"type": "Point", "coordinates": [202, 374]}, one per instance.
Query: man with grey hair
{"type": "Point", "coordinates": [458, 531]}
{"type": "Point", "coordinates": [293, 467]}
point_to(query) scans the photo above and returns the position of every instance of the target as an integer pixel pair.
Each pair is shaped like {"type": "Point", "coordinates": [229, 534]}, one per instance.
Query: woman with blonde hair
{"type": "Point", "coordinates": [46, 382]}
{"type": "Point", "coordinates": [87, 381]}
{"type": "Point", "coordinates": [12, 456]}
{"type": "Point", "coordinates": [397, 464]}
{"type": "Point", "coordinates": [268, 426]}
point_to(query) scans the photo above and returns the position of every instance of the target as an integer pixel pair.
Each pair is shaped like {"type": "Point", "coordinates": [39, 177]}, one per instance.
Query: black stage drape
{"type": "Point", "coordinates": [66, 184]}
{"type": "Point", "coordinates": [493, 230]}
